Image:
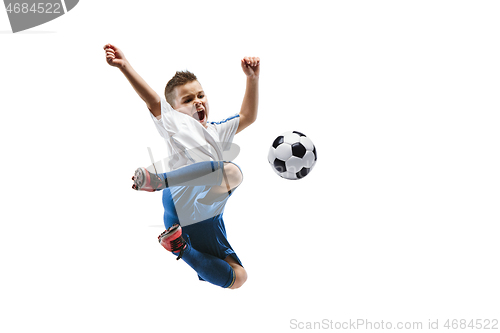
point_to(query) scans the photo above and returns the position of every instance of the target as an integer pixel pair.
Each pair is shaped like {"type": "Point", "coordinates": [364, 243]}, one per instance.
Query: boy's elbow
{"type": "Point", "coordinates": [252, 119]}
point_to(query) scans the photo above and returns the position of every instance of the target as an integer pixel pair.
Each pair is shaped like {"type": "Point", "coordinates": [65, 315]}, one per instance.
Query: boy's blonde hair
{"type": "Point", "coordinates": [179, 79]}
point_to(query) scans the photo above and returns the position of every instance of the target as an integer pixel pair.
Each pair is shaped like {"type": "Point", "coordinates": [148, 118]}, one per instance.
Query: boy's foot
{"type": "Point", "coordinates": [171, 239]}
{"type": "Point", "coordinates": [147, 181]}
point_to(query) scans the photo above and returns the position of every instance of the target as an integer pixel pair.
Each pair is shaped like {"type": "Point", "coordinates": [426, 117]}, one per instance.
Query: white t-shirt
{"type": "Point", "coordinates": [189, 142]}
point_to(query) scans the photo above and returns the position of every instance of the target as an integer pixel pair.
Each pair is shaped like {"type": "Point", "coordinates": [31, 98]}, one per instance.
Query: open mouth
{"type": "Point", "coordinates": [199, 115]}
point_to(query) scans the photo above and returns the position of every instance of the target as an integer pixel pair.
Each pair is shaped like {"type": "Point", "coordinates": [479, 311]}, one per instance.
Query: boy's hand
{"type": "Point", "coordinates": [114, 56]}
{"type": "Point", "coordinates": [251, 66]}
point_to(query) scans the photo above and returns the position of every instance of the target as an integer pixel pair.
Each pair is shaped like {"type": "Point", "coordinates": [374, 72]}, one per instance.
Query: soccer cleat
{"type": "Point", "coordinates": [147, 181]}
{"type": "Point", "coordinates": [171, 239]}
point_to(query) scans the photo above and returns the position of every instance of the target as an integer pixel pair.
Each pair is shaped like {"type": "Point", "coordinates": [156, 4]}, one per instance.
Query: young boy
{"type": "Point", "coordinates": [196, 190]}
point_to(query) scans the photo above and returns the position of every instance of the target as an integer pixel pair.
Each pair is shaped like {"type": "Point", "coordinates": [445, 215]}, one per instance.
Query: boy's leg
{"type": "Point", "coordinates": [222, 176]}
{"type": "Point", "coordinates": [210, 268]}
{"type": "Point", "coordinates": [224, 273]}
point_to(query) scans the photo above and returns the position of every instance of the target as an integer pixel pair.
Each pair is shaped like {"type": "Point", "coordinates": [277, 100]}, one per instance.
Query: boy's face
{"type": "Point", "coordinates": [192, 101]}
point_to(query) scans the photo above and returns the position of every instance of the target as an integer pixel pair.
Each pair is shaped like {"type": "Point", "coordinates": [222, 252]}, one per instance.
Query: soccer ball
{"type": "Point", "coordinates": [292, 155]}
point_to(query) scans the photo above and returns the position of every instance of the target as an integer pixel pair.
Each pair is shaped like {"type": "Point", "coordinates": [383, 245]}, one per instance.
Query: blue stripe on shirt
{"type": "Point", "coordinates": [225, 120]}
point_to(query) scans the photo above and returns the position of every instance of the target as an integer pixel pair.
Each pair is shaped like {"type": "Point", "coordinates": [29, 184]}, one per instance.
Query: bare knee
{"type": "Point", "coordinates": [232, 175]}
{"type": "Point", "coordinates": [239, 272]}
{"type": "Point", "coordinates": [241, 277]}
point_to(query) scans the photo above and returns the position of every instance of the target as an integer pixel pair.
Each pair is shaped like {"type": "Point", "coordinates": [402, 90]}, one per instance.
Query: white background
{"type": "Point", "coordinates": [397, 222]}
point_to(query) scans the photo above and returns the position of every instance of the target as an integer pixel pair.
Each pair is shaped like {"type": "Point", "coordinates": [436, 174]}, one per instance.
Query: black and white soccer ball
{"type": "Point", "coordinates": [292, 155]}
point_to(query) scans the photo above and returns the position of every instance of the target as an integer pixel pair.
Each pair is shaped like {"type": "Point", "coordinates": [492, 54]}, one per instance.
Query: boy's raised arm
{"type": "Point", "coordinates": [250, 104]}
{"type": "Point", "coordinates": [116, 58]}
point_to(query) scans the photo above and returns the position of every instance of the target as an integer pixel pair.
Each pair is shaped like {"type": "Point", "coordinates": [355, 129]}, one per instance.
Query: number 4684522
{"type": "Point", "coordinates": [36, 8]}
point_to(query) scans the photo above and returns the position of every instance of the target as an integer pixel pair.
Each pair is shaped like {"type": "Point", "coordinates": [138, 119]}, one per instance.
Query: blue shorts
{"type": "Point", "coordinates": [200, 216]}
